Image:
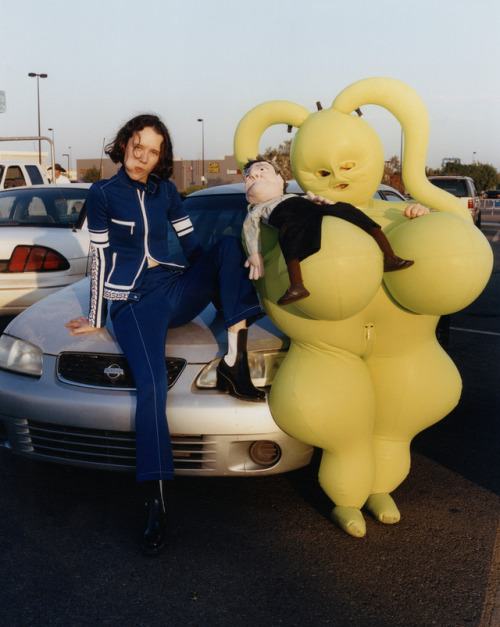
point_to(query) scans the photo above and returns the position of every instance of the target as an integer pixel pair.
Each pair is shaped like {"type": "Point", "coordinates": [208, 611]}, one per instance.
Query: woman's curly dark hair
{"type": "Point", "coordinates": [116, 149]}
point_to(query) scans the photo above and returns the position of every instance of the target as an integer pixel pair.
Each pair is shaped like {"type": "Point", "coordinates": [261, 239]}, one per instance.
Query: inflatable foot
{"type": "Point", "coordinates": [350, 520]}
{"type": "Point", "coordinates": [382, 507]}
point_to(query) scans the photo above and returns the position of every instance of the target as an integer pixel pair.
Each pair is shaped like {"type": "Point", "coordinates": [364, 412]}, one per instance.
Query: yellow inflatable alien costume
{"type": "Point", "coordinates": [365, 373]}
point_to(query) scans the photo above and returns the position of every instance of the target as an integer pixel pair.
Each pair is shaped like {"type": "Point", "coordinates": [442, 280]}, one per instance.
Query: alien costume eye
{"type": "Point", "coordinates": [323, 173]}
{"type": "Point", "coordinates": [348, 165]}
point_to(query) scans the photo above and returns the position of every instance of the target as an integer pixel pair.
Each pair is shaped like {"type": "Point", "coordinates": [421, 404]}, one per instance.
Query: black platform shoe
{"type": "Point", "coordinates": [236, 379]}
{"type": "Point", "coordinates": [154, 538]}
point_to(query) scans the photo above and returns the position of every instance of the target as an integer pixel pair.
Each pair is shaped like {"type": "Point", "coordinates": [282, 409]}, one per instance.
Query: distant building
{"type": "Point", "coordinates": [186, 172]}
{"type": "Point", "coordinates": [23, 155]}
{"type": "Point", "coordinates": [215, 172]}
{"type": "Point", "coordinates": [106, 167]}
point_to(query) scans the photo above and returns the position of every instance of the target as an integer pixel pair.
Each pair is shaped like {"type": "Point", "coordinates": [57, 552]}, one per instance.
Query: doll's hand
{"type": "Point", "coordinates": [415, 211]}
{"type": "Point", "coordinates": [256, 265]}
{"type": "Point", "coordinates": [319, 200]}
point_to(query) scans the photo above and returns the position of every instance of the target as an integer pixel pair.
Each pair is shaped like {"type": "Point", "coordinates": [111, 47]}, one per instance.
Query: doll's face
{"type": "Point", "coordinates": [142, 154]}
{"type": "Point", "coordinates": [262, 183]}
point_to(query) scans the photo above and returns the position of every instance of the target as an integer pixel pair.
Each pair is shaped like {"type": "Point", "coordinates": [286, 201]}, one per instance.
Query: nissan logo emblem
{"type": "Point", "coordinates": [114, 372]}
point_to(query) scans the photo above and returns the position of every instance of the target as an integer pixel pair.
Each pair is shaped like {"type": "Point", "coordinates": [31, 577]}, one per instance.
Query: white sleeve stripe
{"type": "Point", "coordinates": [99, 237]}
{"type": "Point", "coordinates": [182, 224]}
{"type": "Point", "coordinates": [185, 232]}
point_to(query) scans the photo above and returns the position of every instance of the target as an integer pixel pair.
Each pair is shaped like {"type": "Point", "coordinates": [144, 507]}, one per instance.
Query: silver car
{"type": "Point", "coordinates": [44, 242]}
{"type": "Point", "coordinates": [71, 399]}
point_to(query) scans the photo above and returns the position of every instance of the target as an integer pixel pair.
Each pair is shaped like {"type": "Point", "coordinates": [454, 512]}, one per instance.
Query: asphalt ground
{"type": "Point", "coordinates": [263, 551]}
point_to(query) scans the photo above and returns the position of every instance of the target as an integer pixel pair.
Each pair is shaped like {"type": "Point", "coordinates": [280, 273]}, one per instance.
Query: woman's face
{"type": "Point", "coordinates": [142, 154]}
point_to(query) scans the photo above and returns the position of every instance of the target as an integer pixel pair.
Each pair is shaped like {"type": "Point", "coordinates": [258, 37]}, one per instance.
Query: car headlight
{"type": "Point", "coordinates": [263, 368]}
{"type": "Point", "coordinates": [20, 356]}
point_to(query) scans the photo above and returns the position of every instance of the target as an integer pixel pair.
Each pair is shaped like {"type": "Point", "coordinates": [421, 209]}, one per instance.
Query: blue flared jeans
{"type": "Point", "coordinates": [170, 298]}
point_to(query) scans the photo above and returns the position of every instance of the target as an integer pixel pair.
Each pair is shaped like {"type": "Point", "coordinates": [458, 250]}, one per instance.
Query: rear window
{"type": "Point", "coordinates": [212, 216]}
{"type": "Point", "coordinates": [457, 187]}
{"type": "Point", "coordinates": [48, 207]}
{"type": "Point", "coordinates": [34, 173]}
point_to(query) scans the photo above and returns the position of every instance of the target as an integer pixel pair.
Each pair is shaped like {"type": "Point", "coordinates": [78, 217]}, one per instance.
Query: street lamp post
{"type": "Point", "coordinates": [53, 141]}
{"type": "Point", "coordinates": [38, 76]}
{"type": "Point", "coordinates": [202, 150]}
{"type": "Point", "coordinates": [67, 155]}
{"type": "Point", "coordinates": [54, 149]}
{"type": "Point", "coordinates": [69, 163]}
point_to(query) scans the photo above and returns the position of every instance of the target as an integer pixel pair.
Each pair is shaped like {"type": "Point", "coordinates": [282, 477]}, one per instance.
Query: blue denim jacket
{"type": "Point", "coordinates": [128, 223]}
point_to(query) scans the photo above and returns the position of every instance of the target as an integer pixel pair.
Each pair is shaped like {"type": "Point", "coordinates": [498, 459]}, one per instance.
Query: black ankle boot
{"type": "Point", "coordinates": [154, 538]}
{"type": "Point", "coordinates": [236, 379]}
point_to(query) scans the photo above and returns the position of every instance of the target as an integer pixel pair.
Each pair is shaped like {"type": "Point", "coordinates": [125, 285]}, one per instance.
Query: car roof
{"type": "Point", "coordinates": [449, 176]}
{"type": "Point", "coordinates": [47, 186]}
{"type": "Point", "coordinates": [239, 188]}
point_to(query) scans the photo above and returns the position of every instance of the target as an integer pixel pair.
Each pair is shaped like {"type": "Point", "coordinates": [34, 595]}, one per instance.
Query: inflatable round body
{"type": "Point", "coordinates": [365, 373]}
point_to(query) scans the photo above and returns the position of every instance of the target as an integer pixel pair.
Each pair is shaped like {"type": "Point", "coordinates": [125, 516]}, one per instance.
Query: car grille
{"type": "Point", "coordinates": [107, 371]}
{"type": "Point", "coordinates": [114, 449]}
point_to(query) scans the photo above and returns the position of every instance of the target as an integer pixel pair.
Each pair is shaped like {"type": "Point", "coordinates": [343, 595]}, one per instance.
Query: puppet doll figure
{"type": "Point", "coordinates": [298, 220]}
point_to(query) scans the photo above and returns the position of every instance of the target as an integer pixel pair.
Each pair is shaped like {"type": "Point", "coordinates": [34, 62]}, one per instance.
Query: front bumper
{"type": "Point", "coordinates": [212, 433]}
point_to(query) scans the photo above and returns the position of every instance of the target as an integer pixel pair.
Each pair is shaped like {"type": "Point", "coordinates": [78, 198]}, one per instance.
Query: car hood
{"type": "Point", "coordinates": [201, 340]}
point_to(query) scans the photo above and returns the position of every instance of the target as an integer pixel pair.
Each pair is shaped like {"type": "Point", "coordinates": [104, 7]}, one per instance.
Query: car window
{"type": "Point", "coordinates": [14, 177]}
{"type": "Point", "coordinates": [35, 176]}
{"type": "Point", "coordinates": [457, 187]}
{"type": "Point", "coordinates": [212, 216]}
{"type": "Point", "coordinates": [49, 207]}
{"type": "Point", "coordinates": [392, 196]}
{"type": "Point", "coordinates": [6, 202]}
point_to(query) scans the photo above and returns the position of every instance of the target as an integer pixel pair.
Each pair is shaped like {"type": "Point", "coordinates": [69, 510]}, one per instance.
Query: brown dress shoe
{"type": "Point", "coordinates": [391, 264]}
{"type": "Point", "coordinates": [295, 292]}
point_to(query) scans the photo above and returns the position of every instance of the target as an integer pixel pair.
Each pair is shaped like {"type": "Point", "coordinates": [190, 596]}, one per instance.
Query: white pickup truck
{"type": "Point", "coordinates": [20, 173]}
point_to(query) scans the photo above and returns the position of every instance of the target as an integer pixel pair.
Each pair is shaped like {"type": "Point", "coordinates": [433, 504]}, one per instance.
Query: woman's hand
{"type": "Point", "coordinates": [80, 325]}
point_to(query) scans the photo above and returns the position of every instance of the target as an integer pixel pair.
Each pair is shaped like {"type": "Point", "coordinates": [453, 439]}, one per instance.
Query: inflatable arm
{"type": "Point", "coordinates": [260, 118]}
{"type": "Point", "coordinates": [408, 108]}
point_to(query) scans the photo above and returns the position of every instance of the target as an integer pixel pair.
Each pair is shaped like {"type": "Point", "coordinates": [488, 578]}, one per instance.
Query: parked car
{"type": "Point", "coordinates": [462, 187]}
{"type": "Point", "coordinates": [492, 193]}
{"type": "Point", "coordinates": [44, 242]}
{"type": "Point", "coordinates": [71, 399]}
{"type": "Point", "coordinates": [385, 192]}
{"type": "Point", "coordinates": [20, 173]}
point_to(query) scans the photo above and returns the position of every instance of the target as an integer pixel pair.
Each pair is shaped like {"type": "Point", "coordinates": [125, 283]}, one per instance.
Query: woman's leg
{"type": "Point", "coordinates": [141, 328]}
{"type": "Point", "coordinates": [220, 275]}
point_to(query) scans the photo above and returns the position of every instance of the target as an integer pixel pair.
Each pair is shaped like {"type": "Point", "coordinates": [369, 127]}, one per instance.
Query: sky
{"type": "Point", "coordinates": [108, 60]}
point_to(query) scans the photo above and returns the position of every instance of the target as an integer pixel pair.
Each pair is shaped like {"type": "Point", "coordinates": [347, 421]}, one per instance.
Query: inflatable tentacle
{"type": "Point", "coordinates": [408, 108]}
{"type": "Point", "coordinates": [260, 118]}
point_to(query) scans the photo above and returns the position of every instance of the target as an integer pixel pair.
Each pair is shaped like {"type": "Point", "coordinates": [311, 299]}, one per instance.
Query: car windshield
{"type": "Point", "coordinates": [51, 206]}
{"type": "Point", "coordinates": [213, 216]}
{"type": "Point", "coordinates": [457, 187]}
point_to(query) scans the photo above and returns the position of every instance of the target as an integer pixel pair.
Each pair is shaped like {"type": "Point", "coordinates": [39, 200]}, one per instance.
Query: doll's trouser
{"type": "Point", "coordinates": [171, 299]}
